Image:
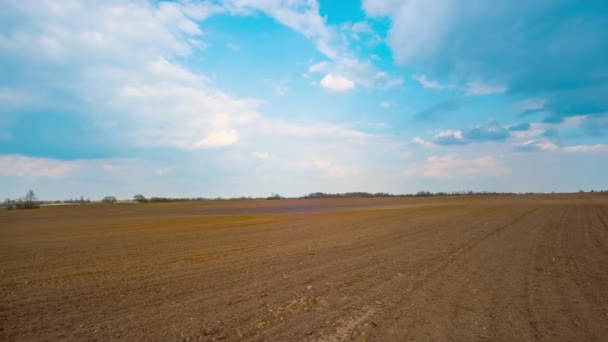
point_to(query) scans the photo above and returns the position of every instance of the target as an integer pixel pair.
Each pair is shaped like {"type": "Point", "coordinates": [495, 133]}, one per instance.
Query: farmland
{"type": "Point", "coordinates": [469, 268]}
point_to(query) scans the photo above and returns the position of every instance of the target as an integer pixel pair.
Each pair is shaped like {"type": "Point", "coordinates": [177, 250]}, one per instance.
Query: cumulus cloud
{"type": "Point", "coordinates": [422, 142]}
{"type": "Point", "coordinates": [428, 83]}
{"type": "Point", "coordinates": [303, 16]}
{"type": "Point", "coordinates": [488, 132]}
{"type": "Point", "coordinates": [449, 137]}
{"type": "Point", "coordinates": [361, 73]}
{"type": "Point", "coordinates": [115, 62]}
{"type": "Point", "coordinates": [548, 49]}
{"type": "Point", "coordinates": [337, 83]}
{"type": "Point", "coordinates": [218, 139]}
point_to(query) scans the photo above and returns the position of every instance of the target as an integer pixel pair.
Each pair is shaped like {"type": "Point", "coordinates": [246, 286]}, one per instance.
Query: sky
{"type": "Point", "coordinates": [234, 98]}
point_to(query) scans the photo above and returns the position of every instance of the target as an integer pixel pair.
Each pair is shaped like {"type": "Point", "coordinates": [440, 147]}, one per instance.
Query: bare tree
{"type": "Point", "coordinates": [30, 199]}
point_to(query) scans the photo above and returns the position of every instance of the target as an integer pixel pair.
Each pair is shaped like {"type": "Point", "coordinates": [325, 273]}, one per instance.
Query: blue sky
{"type": "Point", "coordinates": [252, 97]}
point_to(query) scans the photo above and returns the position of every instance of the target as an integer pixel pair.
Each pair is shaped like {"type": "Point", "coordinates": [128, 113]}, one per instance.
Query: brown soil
{"type": "Point", "coordinates": [496, 268]}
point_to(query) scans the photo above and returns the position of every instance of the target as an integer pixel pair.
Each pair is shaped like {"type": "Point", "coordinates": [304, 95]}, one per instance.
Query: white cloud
{"type": "Point", "coordinates": [361, 32]}
{"type": "Point", "coordinates": [166, 71]}
{"type": "Point", "coordinates": [449, 134]}
{"type": "Point", "coordinates": [337, 83]}
{"type": "Point", "coordinates": [531, 104]}
{"type": "Point", "coordinates": [218, 139]}
{"type": "Point", "coordinates": [361, 27]}
{"type": "Point", "coordinates": [546, 145]}
{"type": "Point", "coordinates": [319, 67]}
{"type": "Point", "coordinates": [22, 166]}
{"type": "Point", "coordinates": [453, 167]}
{"type": "Point", "coordinates": [422, 142]}
{"type": "Point", "coordinates": [301, 16]}
{"type": "Point", "coordinates": [280, 88]}
{"type": "Point", "coordinates": [482, 88]}
{"type": "Point", "coordinates": [586, 148]}
{"type": "Point", "coordinates": [261, 155]}
{"type": "Point", "coordinates": [380, 7]}
{"type": "Point", "coordinates": [361, 73]}
{"type": "Point", "coordinates": [388, 104]}
{"type": "Point", "coordinates": [430, 84]}
{"type": "Point", "coordinates": [417, 26]}
{"type": "Point", "coordinates": [267, 126]}
{"type": "Point", "coordinates": [116, 58]}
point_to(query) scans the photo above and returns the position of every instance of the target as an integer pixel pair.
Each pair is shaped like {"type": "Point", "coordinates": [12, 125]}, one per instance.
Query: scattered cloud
{"type": "Point", "coordinates": [361, 73]}
{"type": "Point", "coordinates": [449, 137]}
{"type": "Point", "coordinates": [428, 83]}
{"type": "Point", "coordinates": [546, 145]}
{"type": "Point", "coordinates": [388, 104]}
{"type": "Point", "coordinates": [422, 142]}
{"type": "Point", "coordinates": [480, 133]}
{"type": "Point", "coordinates": [280, 88]}
{"type": "Point", "coordinates": [337, 83]}
{"type": "Point", "coordinates": [450, 166]}
{"type": "Point", "coordinates": [586, 148]}
{"type": "Point", "coordinates": [548, 49]}
{"type": "Point", "coordinates": [358, 29]}
{"type": "Point", "coordinates": [488, 132]}
{"type": "Point", "coordinates": [481, 88]}
{"type": "Point", "coordinates": [279, 127]}
{"type": "Point", "coordinates": [319, 67]}
{"type": "Point", "coordinates": [218, 139]}
{"type": "Point", "coordinates": [532, 104]}
{"type": "Point", "coordinates": [23, 166]}
{"type": "Point", "coordinates": [113, 72]}
{"type": "Point", "coordinates": [521, 127]}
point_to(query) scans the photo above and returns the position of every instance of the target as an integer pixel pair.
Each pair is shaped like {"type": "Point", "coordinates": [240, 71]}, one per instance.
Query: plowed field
{"type": "Point", "coordinates": [487, 268]}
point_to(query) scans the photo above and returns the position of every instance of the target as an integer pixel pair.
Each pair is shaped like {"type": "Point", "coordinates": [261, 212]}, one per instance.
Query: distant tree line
{"type": "Point", "coordinates": [384, 194]}
{"type": "Point", "coordinates": [29, 201]}
{"type": "Point", "coordinates": [142, 199]}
